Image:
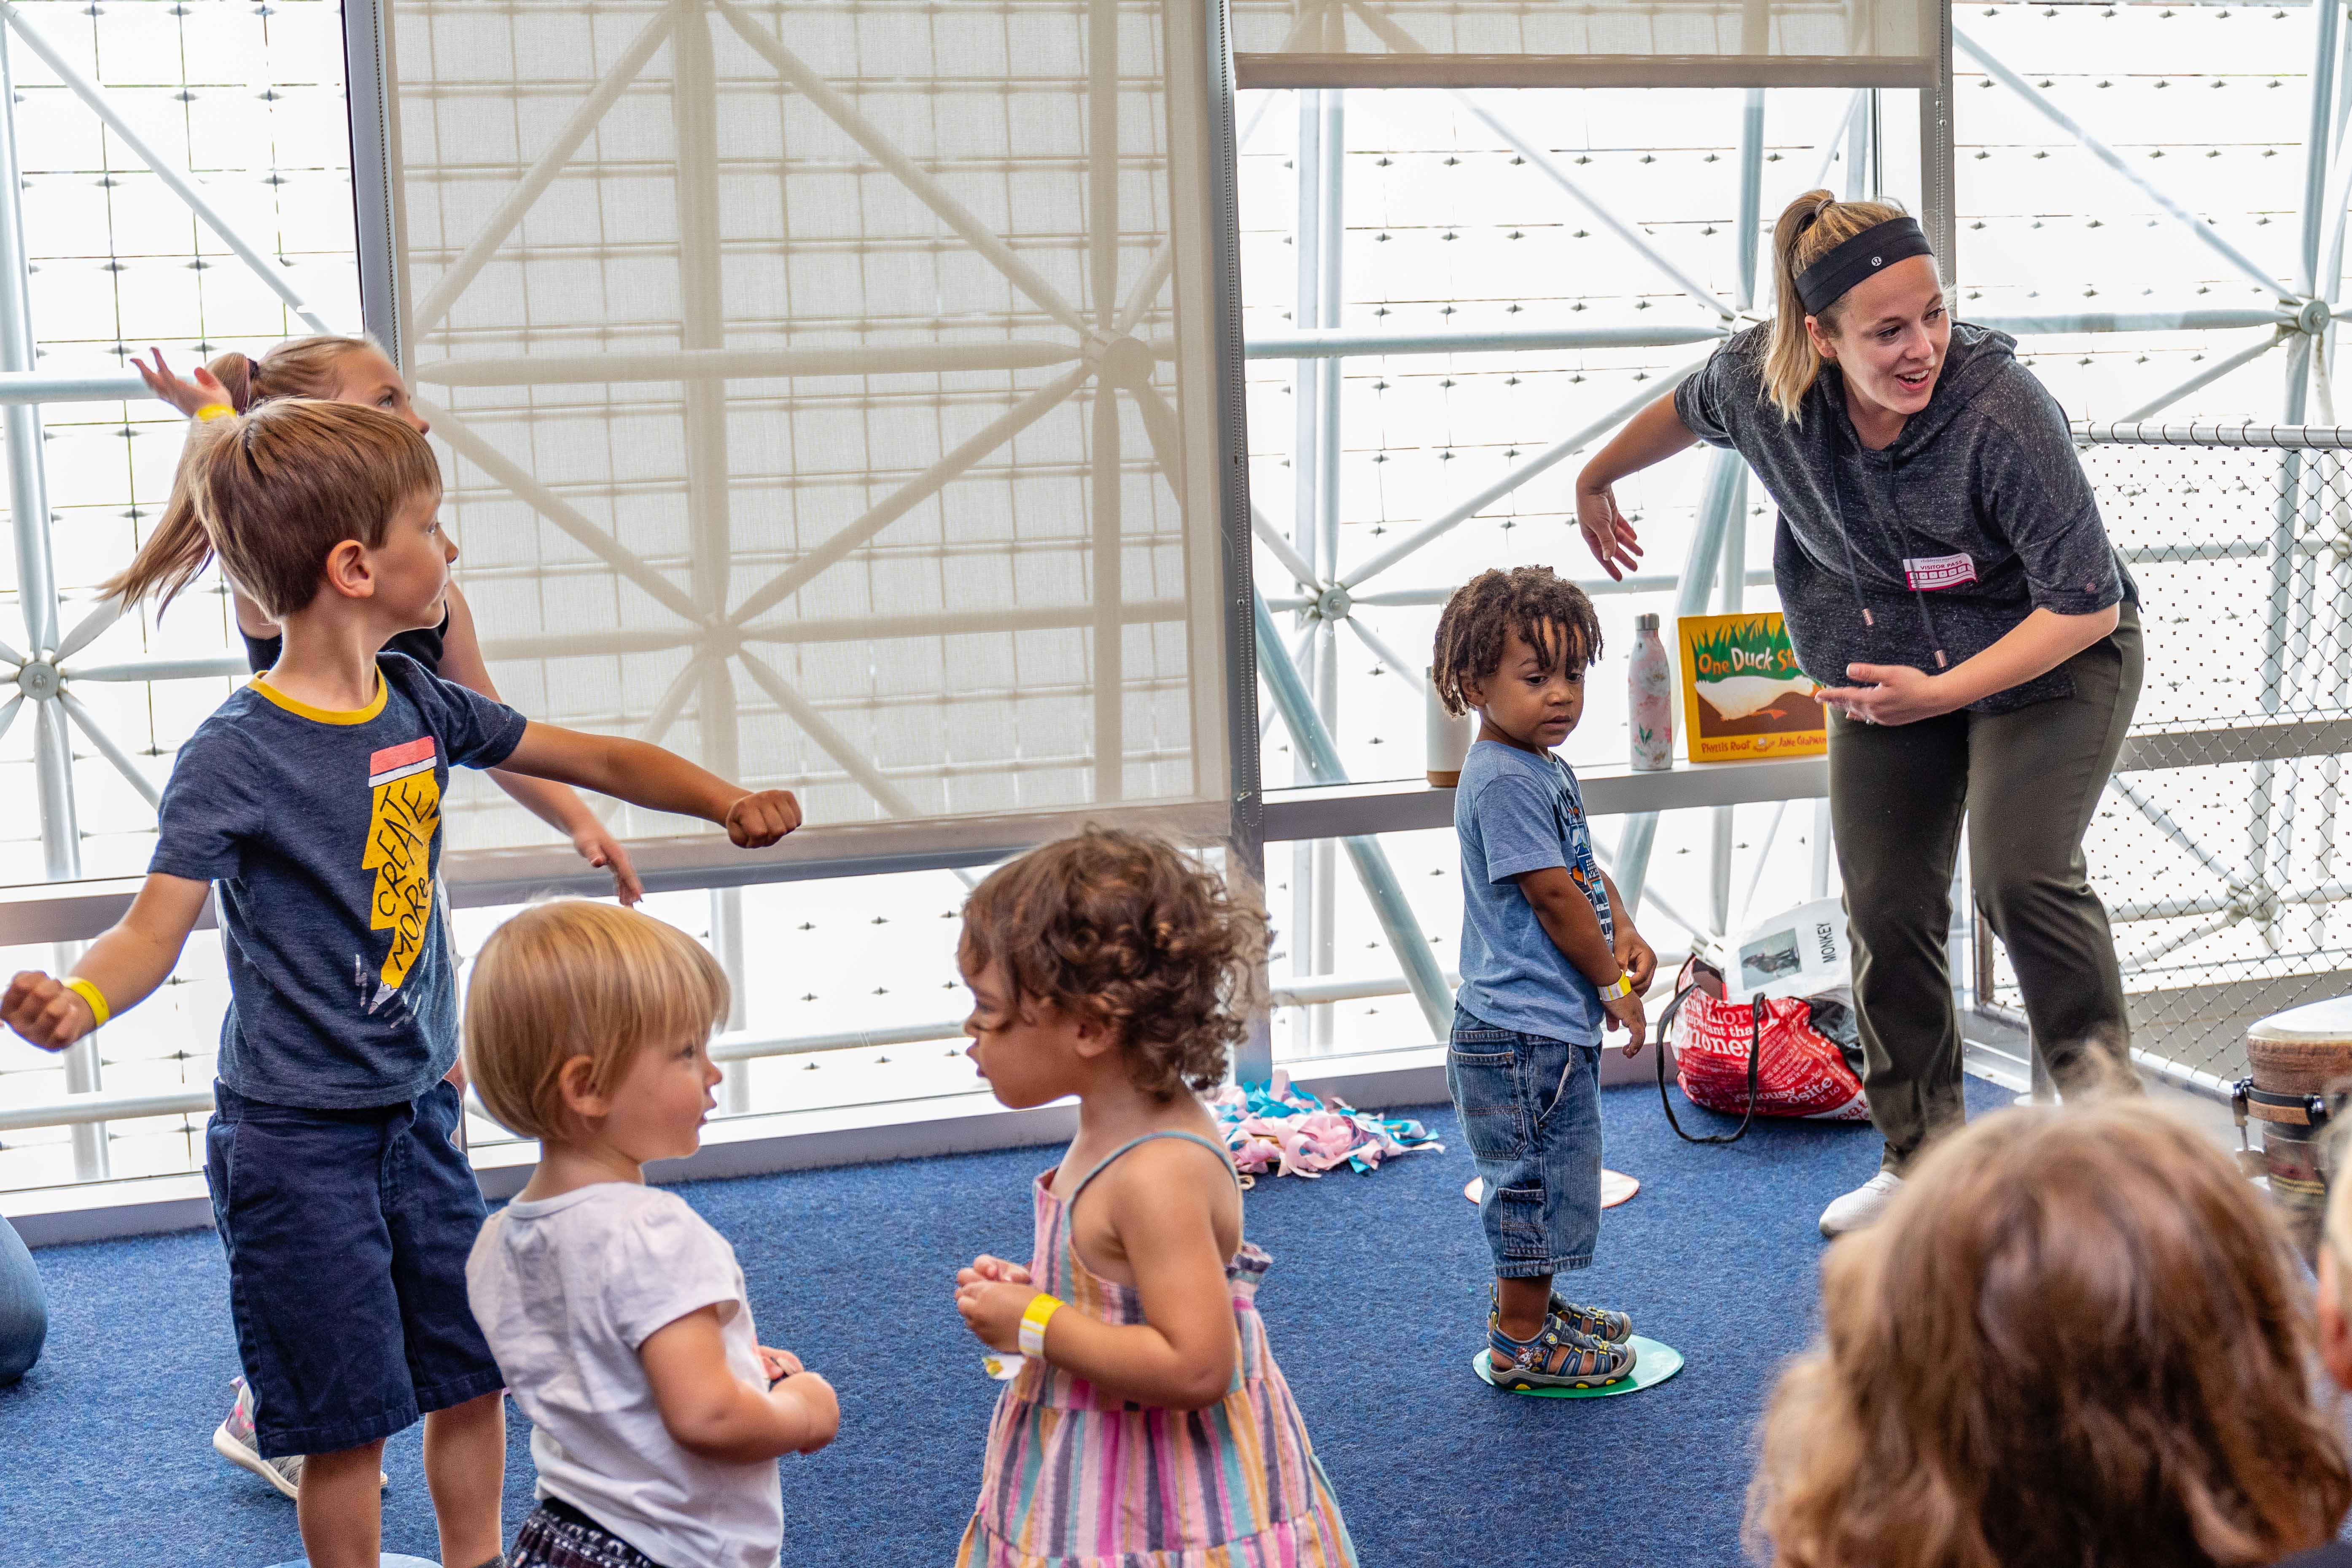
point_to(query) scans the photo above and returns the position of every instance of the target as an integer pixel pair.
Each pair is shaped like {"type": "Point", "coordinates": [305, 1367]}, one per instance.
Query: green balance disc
{"type": "Point", "coordinates": [1654, 1363]}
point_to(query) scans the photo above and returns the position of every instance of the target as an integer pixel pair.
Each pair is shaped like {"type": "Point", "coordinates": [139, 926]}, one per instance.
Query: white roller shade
{"type": "Point", "coordinates": [822, 391]}
{"type": "Point", "coordinates": [1586, 42]}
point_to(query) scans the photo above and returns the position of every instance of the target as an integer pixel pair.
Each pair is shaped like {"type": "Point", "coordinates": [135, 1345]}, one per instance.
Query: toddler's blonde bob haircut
{"type": "Point", "coordinates": [571, 978]}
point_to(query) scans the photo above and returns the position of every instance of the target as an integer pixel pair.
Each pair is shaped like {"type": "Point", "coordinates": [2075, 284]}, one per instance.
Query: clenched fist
{"type": "Point", "coordinates": [39, 1007]}
{"type": "Point", "coordinates": [758, 820]}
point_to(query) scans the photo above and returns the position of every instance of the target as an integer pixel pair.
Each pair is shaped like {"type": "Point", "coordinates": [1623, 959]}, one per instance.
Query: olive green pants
{"type": "Point", "coordinates": [2027, 783]}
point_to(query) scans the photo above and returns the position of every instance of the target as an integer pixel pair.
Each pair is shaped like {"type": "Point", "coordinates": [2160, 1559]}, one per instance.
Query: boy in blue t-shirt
{"type": "Point", "coordinates": [1549, 959]}
{"type": "Point", "coordinates": [312, 800]}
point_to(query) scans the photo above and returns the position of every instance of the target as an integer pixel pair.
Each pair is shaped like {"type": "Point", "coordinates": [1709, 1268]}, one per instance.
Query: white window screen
{"type": "Point", "coordinates": [824, 389]}
{"type": "Point", "coordinates": [1586, 42]}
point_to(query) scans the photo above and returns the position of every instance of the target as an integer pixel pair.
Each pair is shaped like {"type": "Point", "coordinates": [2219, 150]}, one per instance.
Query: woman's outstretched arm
{"type": "Point", "coordinates": [1650, 436]}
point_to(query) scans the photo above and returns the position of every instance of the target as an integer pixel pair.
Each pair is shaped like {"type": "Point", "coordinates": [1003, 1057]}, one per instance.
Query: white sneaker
{"type": "Point", "coordinates": [232, 1441]}
{"type": "Point", "coordinates": [1862, 1206]}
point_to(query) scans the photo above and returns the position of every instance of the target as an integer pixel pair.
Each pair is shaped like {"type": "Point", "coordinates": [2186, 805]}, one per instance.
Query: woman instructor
{"type": "Point", "coordinates": [1947, 581]}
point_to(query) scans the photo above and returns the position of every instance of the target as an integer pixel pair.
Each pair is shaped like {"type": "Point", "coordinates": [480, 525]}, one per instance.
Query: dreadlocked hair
{"type": "Point", "coordinates": [1127, 930]}
{"type": "Point", "coordinates": [1549, 612]}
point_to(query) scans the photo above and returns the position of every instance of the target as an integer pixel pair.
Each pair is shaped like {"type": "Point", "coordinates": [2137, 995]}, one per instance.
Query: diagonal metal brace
{"type": "Point", "coordinates": [1372, 863]}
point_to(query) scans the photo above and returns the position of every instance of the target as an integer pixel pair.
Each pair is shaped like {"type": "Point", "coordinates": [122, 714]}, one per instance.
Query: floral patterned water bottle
{"type": "Point", "coordinates": [1650, 699]}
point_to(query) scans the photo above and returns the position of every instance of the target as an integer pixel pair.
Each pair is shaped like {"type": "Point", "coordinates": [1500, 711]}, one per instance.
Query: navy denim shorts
{"type": "Point", "coordinates": [1531, 1109]}
{"type": "Point", "coordinates": [347, 1233]}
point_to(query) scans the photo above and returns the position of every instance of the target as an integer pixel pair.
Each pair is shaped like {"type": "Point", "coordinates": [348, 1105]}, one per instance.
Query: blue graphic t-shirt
{"type": "Point", "coordinates": [322, 833]}
{"type": "Point", "coordinates": [1515, 812]}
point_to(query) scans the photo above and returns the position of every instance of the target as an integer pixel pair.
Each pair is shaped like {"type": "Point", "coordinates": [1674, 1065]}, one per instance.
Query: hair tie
{"type": "Point", "coordinates": [212, 411]}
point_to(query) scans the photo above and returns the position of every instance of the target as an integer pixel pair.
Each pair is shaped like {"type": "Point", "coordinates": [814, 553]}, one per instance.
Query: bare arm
{"type": "Point", "coordinates": [1898, 694]}
{"type": "Point", "coordinates": [1640, 959]}
{"type": "Point", "coordinates": [710, 1411]}
{"type": "Point", "coordinates": [1568, 918]}
{"type": "Point", "coordinates": [1651, 437]}
{"type": "Point", "coordinates": [126, 965]}
{"type": "Point", "coordinates": [1181, 1356]}
{"type": "Point", "coordinates": [559, 807]}
{"type": "Point", "coordinates": [655, 779]}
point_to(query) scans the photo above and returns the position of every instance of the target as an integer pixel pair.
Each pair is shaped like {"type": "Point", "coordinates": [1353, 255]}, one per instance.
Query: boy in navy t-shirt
{"type": "Point", "coordinates": [312, 800]}
{"type": "Point", "coordinates": [1549, 960]}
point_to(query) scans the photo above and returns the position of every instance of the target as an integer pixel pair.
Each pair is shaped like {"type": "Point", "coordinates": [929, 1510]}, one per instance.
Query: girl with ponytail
{"type": "Point", "coordinates": [335, 370]}
{"type": "Point", "coordinates": [1947, 582]}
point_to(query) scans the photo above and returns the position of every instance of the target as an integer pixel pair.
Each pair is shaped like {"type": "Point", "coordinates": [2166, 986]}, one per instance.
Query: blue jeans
{"type": "Point", "coordinates": [1530, 1109]}
{"type": "Point", "coordinates": [23, 1314]}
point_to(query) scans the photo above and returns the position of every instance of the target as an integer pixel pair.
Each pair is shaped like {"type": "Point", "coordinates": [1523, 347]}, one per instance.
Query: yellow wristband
{"type": "Point", "coordinates": [1041, 1311]}
{"type": "Point", "coordinates": [212, 411]}
{"type": "Point", "coordinates": [95, 997]}
{"type": "Point", "coordinates": [1621, 986]}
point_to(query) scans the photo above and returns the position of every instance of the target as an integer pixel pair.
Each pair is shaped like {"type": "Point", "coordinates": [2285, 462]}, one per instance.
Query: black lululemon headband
{"type": "Point", "coordinates": [1825, 282]}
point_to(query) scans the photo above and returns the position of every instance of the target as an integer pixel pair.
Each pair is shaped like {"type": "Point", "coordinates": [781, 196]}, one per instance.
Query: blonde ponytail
{"type": "Point", "coordinates": [177, 551]}
{"type": "Point", "coordinates": [1809, 228]}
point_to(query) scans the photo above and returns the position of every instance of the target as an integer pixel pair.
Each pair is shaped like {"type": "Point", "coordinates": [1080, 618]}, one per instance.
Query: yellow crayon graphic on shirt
{"type": "Point", "coordinates": [405, 814]}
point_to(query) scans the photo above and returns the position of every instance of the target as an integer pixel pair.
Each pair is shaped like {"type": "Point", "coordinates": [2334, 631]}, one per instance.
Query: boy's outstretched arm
{"type": "Point", "coordinates": [125, 965]}
{"type": "Point", "coordinates": [655, 779]}
{"type": "Point", "coordinates": [1568, 918]}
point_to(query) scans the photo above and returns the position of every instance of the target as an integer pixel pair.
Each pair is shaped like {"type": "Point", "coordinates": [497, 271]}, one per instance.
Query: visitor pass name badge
{"type": "Point", "coordinates": [1929, 573]}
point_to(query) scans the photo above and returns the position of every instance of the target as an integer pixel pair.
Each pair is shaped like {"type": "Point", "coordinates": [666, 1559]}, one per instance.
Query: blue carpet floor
{"type": "Point", "coordinates": [1374, 1306]}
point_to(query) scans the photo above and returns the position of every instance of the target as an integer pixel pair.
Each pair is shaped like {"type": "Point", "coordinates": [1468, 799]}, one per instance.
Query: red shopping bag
{"type": "Point", "coordinates": [1770, 1057]}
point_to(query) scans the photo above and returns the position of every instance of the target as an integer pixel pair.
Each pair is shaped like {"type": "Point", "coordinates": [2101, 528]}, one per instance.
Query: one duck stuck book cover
{"type": "Point", "coordinates": [1744, 698]}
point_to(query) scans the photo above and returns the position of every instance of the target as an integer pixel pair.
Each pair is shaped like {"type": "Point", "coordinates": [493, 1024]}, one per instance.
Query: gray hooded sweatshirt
{"type": "Point", "coordinates": [1977, 515]}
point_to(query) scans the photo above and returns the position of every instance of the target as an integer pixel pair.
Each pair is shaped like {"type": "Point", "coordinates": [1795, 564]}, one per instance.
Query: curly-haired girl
{"type": "Point", "coordinates": [2076, 1340]}
{"type": "Point", "coordinates": [1149, 1423]}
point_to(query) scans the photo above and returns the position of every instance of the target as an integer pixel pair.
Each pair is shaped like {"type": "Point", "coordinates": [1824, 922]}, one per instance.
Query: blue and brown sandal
{"type": "Point", "coordinates": [1614, 1328]}
{"type": "Point", "coordinates": [1561, 1356]}
{"type": "Point", "coordinates": [1596, 1322]}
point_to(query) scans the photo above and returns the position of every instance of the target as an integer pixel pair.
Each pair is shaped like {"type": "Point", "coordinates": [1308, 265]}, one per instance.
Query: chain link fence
{"type": "Point", "coordinates": [2217, 846]}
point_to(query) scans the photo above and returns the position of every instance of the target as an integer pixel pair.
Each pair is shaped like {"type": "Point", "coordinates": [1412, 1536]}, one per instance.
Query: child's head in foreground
{"type": "Point", "coordinates": [588, 1022]}
{"type": "Point", "coordinates": [1516, 645]}
{"type": "Point", "coordinates": [301, 497]}
{"type": "Point", "coordinates": [2076, 1340]}
{"type": "Point", "coordinates": [1108, 947]}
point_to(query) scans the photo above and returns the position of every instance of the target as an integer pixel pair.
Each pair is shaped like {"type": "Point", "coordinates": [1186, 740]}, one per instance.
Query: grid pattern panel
{"type": "Point", "coordinates": [248, 99]}
{"type": "Point", "coordinates": [2224, 874]}
{"type": "Point", "coordinates": [1724, 30]}
{"type": "Point", "coordinates": [811, 380]}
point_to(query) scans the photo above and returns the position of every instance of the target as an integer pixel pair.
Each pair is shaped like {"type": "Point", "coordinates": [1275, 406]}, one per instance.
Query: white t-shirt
{"type": "Point", "coordinates": [566, 1288]}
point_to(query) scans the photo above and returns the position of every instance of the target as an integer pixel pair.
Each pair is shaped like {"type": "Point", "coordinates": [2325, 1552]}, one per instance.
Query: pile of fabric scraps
{"type": "Point", "coordinates": [1293, 1133]}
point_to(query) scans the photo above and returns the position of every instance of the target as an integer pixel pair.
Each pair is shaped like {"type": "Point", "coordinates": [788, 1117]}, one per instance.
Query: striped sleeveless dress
{"type": "Point", "coordinates": [1075, 1479]}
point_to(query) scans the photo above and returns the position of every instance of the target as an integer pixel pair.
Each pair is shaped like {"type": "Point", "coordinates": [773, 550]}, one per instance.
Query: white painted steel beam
{"type": "Point", "coordinates": [927, 190]}
{"type": "Point", "coordinates": [740, 365]}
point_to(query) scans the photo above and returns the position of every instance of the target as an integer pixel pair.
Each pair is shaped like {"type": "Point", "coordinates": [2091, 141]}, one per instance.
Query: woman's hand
{"type": "Point", "coordinates": [604, 852]}
{"type": "Point", "coordinates": [1892, 694]}
{"type": "Point", "coordinates": [992, 1309]}
{"type": "Point", "coordinates": [1608, 534]}
{"type": "Point", "coordinates": [187, 396]}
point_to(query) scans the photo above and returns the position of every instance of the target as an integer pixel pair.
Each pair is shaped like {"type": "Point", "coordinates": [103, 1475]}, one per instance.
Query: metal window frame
{"type": "Point", "coordinates": [66, 909]}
